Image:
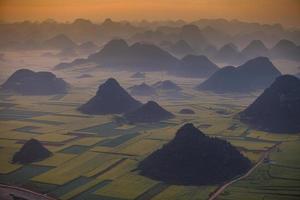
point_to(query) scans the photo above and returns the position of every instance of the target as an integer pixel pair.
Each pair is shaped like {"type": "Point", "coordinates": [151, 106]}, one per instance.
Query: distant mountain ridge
{"type": "Point", "coordinates": [28, 82]}
{"type": "Point", "coordinates": [217, 32]}
{"type": "Point", "coordinates": [257, 73]}
{"type": "Point", "coordinates": [145, 57]}
{"type": "Point", "coordinates": [117, 54]}
{"type": "Point", "coordinates": [254, 49]}
{"type": "Point", "coordinates": [196, 67]}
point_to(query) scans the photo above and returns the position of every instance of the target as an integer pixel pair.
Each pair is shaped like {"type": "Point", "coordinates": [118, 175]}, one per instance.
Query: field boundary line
{"type": "Point", "coordinates": [221, 188]}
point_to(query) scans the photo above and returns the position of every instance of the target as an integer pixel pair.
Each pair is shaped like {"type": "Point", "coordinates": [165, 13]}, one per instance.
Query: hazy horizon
{"type": "Point", "coordinates": [285, 12]}
{"type": "Point", "coordinates": [149, 100]}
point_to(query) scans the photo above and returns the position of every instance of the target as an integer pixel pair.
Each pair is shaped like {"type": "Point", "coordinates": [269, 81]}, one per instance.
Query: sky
{"type": "Point", "coordinates": [286, 12]}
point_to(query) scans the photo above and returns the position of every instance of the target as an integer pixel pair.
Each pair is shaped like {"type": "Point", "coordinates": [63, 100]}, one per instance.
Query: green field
{"type": "Point", "coordinates": [95, 157]}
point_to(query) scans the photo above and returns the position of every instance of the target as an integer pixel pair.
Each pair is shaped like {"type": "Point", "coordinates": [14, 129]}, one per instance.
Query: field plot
{"type": "Point", "coordinates": [11, 114]}
{"type": "Point", "coordinates": [142, 147]}
{"type": "Point", "coordinates": [272, 137]}
{"type": "Point", "coordinates": [251, 145]}
{"type": "Point", "coordinates": [22, 175]}
{"type": "Point", "coordinates": [185, 193]}
{"type": "Point", "coordinates": [73, 168]}
{"type": "Point", "coordinates": [5, 159]}
{"type": "Point", "coordinates": [28, 129]}
{"type": "Point", "coordinates": [277, 178]}
{"type": "Point", "coordinates": [95, 157]}
{"type": "Point", "coordinates": [127, 187]}
{"type": "Point", "coordinates": [56, 160]}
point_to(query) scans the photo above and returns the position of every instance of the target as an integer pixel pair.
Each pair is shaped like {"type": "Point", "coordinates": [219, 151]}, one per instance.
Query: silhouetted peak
{"type": "Point", "coordinates": [181, 47]}
{"type": "Point", "coordinates": [112, 81]}
{"type": "Point", "coordinates": [196, 66]}
{"type": "Point", "coordinates": [81, 22]}
{"type": "Point", "coordinates": [192, 158]}
{"type": "Point", "coordinates": [110, 85]}
{"type": "Point", "coordinates": [257, 73]}
{"type": "Point", "coordinates": [141, 86]}
{"type": "Point", "coordinates": [60, 41]}
{"type": "Point", "coordinates": [139, 56]}
{"type": "Point", "coordinates": [255, 48]}
{"type": "Point", "coordinates": [259, 60]}
{"type": "Point", "coordinates": [285, 82]}
{"type": "Point", "coordinates": [229, 47]}
{"type": "Point", "coordinates": [257, 43]}
{"type": "Point", "coordinates": [28, 82]}
{"type": "Point", "coordinates": [49, 21]}
{"type": "Point", "coordinates": [33, 143]}
{"type": "Point", "coordinates": [110, 98]}
{"type": "Point", "coordinates": [142, 89]}
{"type": "Point", "coordinates": [31, 151]}
{"type": "Point", "coordinates": [166, 85]}
{"type": "Point", "coordinates": [188, 131]}
{"type": "Point", "coordinates": [260, 64]}
{"type": "Point", "coordinates": [108, 22]}
{"type": "Point", "coordinates": [277, 109]}
{"type": "Point", "coordinates": [151, 104]}
{"type": "Point", "coordinates": [285, 43]}
{"type": "Point", "coordinates": [27, 73]}
{"type": "Point", "coordinates": [116, 43]}
{"type": "Point", "coordinates": [148, 113]}
{"type": "Point", "coordinates": [21, 73]}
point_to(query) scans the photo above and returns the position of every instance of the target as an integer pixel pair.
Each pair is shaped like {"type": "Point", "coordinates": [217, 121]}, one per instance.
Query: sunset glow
{"type": "Point", "coordinates": [286, 12]}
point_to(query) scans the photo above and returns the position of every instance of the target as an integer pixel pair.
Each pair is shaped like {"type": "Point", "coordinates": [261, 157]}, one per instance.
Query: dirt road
{"type": "Point", "coordinates": [265, 155]}
{"type": "Point", "coordinates": [8, 192]}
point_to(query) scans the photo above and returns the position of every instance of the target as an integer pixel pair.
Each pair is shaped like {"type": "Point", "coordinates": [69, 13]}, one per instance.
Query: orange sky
{"type": "Point", "coordinates": [286, 12]}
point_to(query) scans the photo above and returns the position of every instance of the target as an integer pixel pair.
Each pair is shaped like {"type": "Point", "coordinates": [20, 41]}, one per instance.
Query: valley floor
{"type": "Point", "coordinates": [94, 157]}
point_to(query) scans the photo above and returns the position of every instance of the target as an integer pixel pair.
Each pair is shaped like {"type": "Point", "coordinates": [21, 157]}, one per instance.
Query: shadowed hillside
{"type": "Point", "coordinates": [192, 158]}
{"type": "Point", "coordinates": [142, 89]}
{"type": "Point", "coordinates": [277, 109]}
{"type": "Point", "coordinates": [31, 151]}
{"type": "Point", "coordinates": [27, 82]}
{"type": "Point", "coordinates": [110, 98]}
{"type": "Point", "coordinates": [255, 74]}
{"type": "Point", "coordinates": [148, 113]}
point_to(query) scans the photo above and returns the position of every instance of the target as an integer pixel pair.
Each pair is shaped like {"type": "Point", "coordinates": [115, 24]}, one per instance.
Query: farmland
{"type": "Point", "coordinates": [95, 157]}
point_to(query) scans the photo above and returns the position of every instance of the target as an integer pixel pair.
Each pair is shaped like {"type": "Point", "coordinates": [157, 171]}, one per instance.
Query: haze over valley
{"type": "Point", "coordinates": [160, 100]}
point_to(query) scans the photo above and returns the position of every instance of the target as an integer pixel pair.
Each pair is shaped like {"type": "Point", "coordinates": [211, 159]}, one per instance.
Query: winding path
{"type": "Point", "coordinates": [7, 192]}
{"type": "Point", "coordinates": [220, 189]}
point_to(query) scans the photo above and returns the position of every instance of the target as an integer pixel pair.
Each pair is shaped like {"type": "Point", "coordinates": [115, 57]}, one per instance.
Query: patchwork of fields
{"type": "Point", "coordinates": [95, 157]}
